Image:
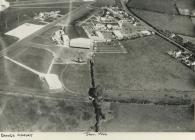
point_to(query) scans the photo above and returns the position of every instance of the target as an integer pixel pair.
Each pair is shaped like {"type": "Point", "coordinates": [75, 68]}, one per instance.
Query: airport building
{"type": "Point", "coordinates": [72, 36]}
{"type": "Point", "coordinates": [84, 43]}
{"type": "Point", "coordinates": [78, 37]}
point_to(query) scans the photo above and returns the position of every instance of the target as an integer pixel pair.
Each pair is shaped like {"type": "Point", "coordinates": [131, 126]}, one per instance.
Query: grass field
{"type": "Point", "coordinates": [38, 115]}
{"type": "Point", "coordinates": [77, 78]}
{"type": "Point", "coordinates": [13, 76]}
{"type": "Point", "coordinates": [191, 39]}
{"type": "Point", "coordinates": [6, 40]}
{"type": "Point", "coordinates": [99, 3]}
{"type": "Point", "coordinates": [146, 67]}
{"type": "Point", "coordinates": [163, 6]}
{"type": "Point", "coordinates": [185, 4]}
{"type": "Point", "coordinates": [45, 37]}
{"type": "Point", "coordinates": [145, 70]}
{"type": "Point", "coordinates": [178, 24]}
{"type": "Point", "coordinates": [38, 1]}
{"type": "Point", "coordinates": [38, 59]}
{"type": "Point", "coordinates": [149, 118]}
{"type": "Point", "coordinates": [71, 31]}
{"type": "Point", "coordinates": [32, 114]}
{"type": "Point", "coordinates": [65, 54]}
{"type": "Point", "coordinates": [18, 16]}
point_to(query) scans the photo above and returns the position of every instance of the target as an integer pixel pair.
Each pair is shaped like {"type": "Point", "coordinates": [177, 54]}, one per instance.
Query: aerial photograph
{"type": "Point", "coordinates": [97, 65]}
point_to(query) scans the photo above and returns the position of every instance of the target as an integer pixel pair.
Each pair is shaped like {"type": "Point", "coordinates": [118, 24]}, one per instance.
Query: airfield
{"type": "Point", "coordinates": [140, 75]}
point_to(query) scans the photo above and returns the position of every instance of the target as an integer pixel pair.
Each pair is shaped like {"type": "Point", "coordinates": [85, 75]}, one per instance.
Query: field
{"type": "Point", "coordinates": [38, 59]}
{"type": "Point", "coordinates": [38, 1]}
{"type": "Point", "coordinates": [145, 89]}
{"type": "Point", "coordinates": [185, 4]}
{"type": "Point", "coordinates": [178, 24]}
{"type": "Point", "coordinates": [45, 37]}
{"type": "Point", "coordinates": [38, 56]}
{"type": "Point", "coordinates": [77, 79]}
{"type": "Point", "coordinates": [100, 3]}
{"type": "Point", "coordinates": [74, 77]}
{"type": "Point", "coordinates": [18, 78]}
{"type": "Point", "coordinates": [15, 77]}
{"type": "Point", "coordinates": [71, 31]}
{"type": "Point", "coordinates": [145, 71]}
{"type": "Point", "coordinates": [6, 40]}
{"type": "Point", "coordinates": [149, 118]}
{"type": "Point", "coordinates": [32, 114]}
{"type": "Point", "coordinates": [38, 115]}
{"type": "Point", "coordinates": [18, 16]}
{"type": "Point", "coordinates": [162, 6]}
{"type": "Point", "coordinates": [191, 39]}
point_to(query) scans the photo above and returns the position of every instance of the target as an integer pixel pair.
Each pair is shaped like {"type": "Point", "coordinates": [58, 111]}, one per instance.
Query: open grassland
{"type": "Point", "coordinates": [162, 6]}
{"type": "Point", "coordinates": [150, 118]}
{"type": "Point", "coordinates": [38, 115]}
{"type": "Point", "coordinates": [14, 76]}
{"type": "Point", "coordinates": [32, 114]}
{"type": "Point", "coordinates": [35, 58]}
{"type": "Point", "coordinates": [186, 4]}
{"type": "Point", "coordinates": [6, 40]}
{"type": "Point", "coordinates": [45, 37]}
{"type": "Point", "coordinates": [178, 24]}
{"type": "Point", "coordinates": [38, 1]}
{"type": "Point", "coordinates": [14, 17]}
{"type": "Point", "coordinates": [17, 16]}
{"type": "Point", "coordinates": [77, 79]}
{"type": "Point", "coordinates": [145, 69]}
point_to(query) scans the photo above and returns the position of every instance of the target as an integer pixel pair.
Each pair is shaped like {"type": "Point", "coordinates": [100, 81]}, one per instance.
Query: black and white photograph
{"type": "Point", "coordinates": [97, 66]}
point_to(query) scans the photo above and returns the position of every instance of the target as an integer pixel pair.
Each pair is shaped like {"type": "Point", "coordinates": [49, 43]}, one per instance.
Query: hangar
{"type": "Point", "coordinates": [85, 43]}
{"type": "Point", "coordinates": [78, 37]}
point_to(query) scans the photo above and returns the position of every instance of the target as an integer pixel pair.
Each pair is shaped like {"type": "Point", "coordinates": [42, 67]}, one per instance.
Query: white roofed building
{"type": "Point", "coordinates": [85, 43]}
{"type": "Point", "coordinates": [78, 38]}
